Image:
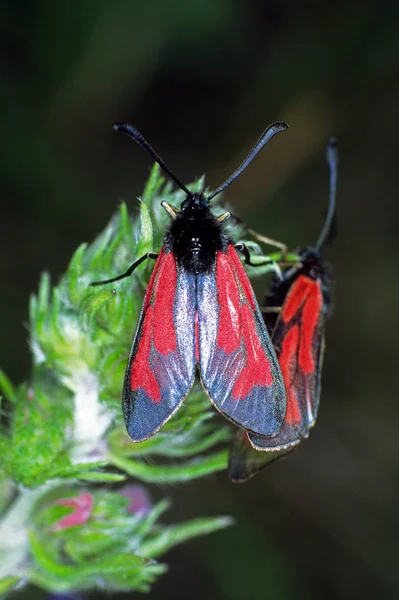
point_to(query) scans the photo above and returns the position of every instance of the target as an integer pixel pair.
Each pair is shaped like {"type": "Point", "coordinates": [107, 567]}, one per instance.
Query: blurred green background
{"type": "Point", "coordinates": [201, 80]}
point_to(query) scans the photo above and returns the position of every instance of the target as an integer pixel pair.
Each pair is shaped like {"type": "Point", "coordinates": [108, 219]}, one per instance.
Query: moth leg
{"type": "Point", "coordinates": [270, 309]}
{"type": "Point", "coordinates": [130, 270]}
{"type": "Point", "coordinates": [247, 257]}
{"type": "Point", "coordinates": [262, 238]}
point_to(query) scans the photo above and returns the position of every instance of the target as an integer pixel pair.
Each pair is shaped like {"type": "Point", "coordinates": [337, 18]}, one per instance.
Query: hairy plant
{"type": "Point", "coordinates": [76, 512]}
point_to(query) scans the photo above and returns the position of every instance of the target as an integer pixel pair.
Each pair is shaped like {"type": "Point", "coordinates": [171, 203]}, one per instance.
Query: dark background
{"type": "Point", "coordinates": [202, 79]}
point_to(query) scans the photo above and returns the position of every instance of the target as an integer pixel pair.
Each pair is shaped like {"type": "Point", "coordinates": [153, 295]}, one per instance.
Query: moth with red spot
{"type": "Point", "coordinates": [200, 315]}
{"type": "Point", "coordinates": [304, 295]}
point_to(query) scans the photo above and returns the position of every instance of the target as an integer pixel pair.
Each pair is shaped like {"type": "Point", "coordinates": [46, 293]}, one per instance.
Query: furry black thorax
{"type": "Point", "coordinates": [195, 235]}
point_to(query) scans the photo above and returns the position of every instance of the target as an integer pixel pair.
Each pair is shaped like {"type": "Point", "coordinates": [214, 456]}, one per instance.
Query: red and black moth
{"type": "Point", "coordinates": [304, 295]}
{"type": "Point", "coordinates": [200, 316]}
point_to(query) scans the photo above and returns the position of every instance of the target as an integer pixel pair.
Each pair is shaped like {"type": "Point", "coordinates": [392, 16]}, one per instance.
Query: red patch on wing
{"type": "Point", "coordinates": [296, 297]}
{"type": "Point", "coordinates": [256, 371]}
{"type": "Point", "coordinates": [158, 329]}
{"type": "Point", "coordinates": [142, 375]}
{"type": "Point", "coordinates": [237, 323]}
{"type": "Point", "coordinates": [295, 337]}
{"type": "Point", "coordinates": [310, 318]}
{"type": "Point", "coordinates": [228, 338]}
{"type": "Point", "coordinates": [288, 361]}
{"type": "Point", "coordinates": [164, 332]}
{"type": "Point", "coordinates": [196, 333]}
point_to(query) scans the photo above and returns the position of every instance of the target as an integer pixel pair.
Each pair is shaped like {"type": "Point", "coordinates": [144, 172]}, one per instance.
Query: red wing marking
{"type": "Point", "coordinates": [161, 366]}
{"type": "Point", "coordinates": [238, 365]}
{"type": "Point", "coordinates": [256, 371]}
{"type": "Point", "coordinates": [142, 376]}
{"type": "Point", "coordinates": [228, 338]}
{"type": "Point", "coordinates": [296, 297]}
{"type": "Point", "coordinates": [164, 334]}
{"type": "Point", "coordinates": [297, 337]}
{"type": "Point", "coordinates": [310, 317]}
{"type": "Point", "coordinates": [288, 363]}
{"type": "Point", "coordinates": [196, 338]}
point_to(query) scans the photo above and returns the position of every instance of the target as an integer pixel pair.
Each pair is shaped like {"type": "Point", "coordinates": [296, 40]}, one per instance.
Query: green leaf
{"type": "Point", "coordinates": [95, 299]}
{"type": "Point", "coordinates": [44, 292]}
{"type": "Point", "coordinates": [101, 477]}
{"type": "Point", "coordinates": [70, 412]}
{"type": "Point", "coordinates": [38, 430]}
{"type": "Point", "coordinates": [178, 534]}
{"type": "Point", "coordinates": [153, 185]}
{"type": "Point", "coordinates": [7, 584]}
{"type": "Point", "coordinates": [145, 242]}
{"type": "Point", "coordinates": [75, 270]}
{"type": "Point", "coordinates": [147, 523]}
{"type": "Point", "coordinates": [47, 561]}
{"type": "Point", "coordinates": [102, 565]}
{"type": "Point", "coordinates": [7, 388]}
{"type": "Point", "coordinates": [119, 570]}
{"type": "Point", "coordinates": [78, 469]}
{"type": "Point", "coordinates": [183, 472]}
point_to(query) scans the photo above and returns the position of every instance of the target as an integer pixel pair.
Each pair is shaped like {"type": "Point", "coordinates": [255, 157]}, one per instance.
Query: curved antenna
{"type": "Point", "coordinates": [136, 135]}
{"type": "Point", "coordinates": [332, 160]}
{"type": "Point", "coordinates": [264, 138]}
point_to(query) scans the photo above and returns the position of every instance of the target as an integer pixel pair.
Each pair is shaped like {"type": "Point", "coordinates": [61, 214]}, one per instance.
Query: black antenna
{"type": "Point", "coordinates": [136, 135]}
{"type": "Point", "coordinates": [332, 160]}
{"type": "Point", "coordinates": [264, 138]}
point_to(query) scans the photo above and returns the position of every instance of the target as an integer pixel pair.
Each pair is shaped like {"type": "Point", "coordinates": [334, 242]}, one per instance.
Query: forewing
{"type": "Point", "coordinates": [311, 347]}
{"type": "Point", "coordinates": [238, 364]}
{"type": "Point", "coordinates": [245, 462]}
{"type": "Point", "coordinates": [298, 339]}
{"type": "Point", "coordinates": [161, 366]}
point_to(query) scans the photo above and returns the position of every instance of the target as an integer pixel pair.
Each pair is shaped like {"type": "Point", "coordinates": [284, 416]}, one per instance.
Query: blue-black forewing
{"type": "Point", "coordinates": [238, 365]}
{"type": "Point", "coordinates": [161, 366]}
{"type": "Point", "coordinates": [299, 341]}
